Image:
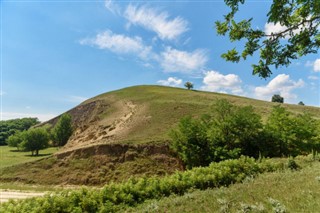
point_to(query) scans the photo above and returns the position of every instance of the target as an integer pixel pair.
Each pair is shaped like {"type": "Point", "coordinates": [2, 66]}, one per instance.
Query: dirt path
{"type": "Point", "coordinates": [6, 195]}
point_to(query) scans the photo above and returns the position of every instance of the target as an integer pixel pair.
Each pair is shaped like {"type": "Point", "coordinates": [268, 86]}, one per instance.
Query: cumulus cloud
{"type": "Point", "coordinates": [172, 60]}
{"type": "Point", "coordinates": [171, 81]}
{"type": "Point", "coordinates": [316, 65]}
{"type": "Point", "coordinates": [270, 28]}
{"type": "Point", "coordinates": [217, 82]}
{"type": "Point", "coordinates": [281, 84]}
{"type": "Point", "coordinates": [119, 43]}
{"type": "Point", "coordinates": [156, 21]}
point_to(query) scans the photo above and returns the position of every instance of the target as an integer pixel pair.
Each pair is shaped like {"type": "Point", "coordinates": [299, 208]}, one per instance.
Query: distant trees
{"type": "Point", "coordinates": [301, 103]}
{"type": "Point", "coordinates": [188, 85]}
{"type": "Point", "coordinates": [277, 98]}
{"type": "Point", "coordinates": [10, 127]}
{"type": "Point", "coordinates": [230, 131]}
{"type": "Point", "coordinates": [62, 130]}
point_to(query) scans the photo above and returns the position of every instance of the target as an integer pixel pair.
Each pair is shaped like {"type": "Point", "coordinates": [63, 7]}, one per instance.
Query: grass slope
{"type": "Point", "coordinates": [289, 191]}
{"type": "Point", "coordinates": [163, 107]}
{"type": "Point", "coordinates": [11, 156]}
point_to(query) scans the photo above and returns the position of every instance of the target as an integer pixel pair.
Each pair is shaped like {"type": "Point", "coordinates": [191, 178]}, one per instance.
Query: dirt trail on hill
{"type": "Point", "coordinates": [6, 195]}
{"type": "Point", "coordinates": [114, 126]}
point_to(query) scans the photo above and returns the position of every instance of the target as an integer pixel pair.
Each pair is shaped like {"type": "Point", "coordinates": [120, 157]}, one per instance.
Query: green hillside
{"type": "Point", "coordinates": [124, 133]}
{"type": "Point", "coordinates": [157, 109]}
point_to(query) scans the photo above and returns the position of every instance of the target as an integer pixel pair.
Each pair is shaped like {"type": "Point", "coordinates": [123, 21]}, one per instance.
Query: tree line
{"type": "Point", "coordinates": [10, 127]}
{"type": "Point", "coordinates": [35, 139]}
{"type": "Point", "coordinates": [229, 131]}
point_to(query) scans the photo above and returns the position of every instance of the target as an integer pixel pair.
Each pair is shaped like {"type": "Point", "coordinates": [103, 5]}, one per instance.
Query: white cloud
{"type": "Point", "coordinates": [173, 60]}
{"type": "Point", "coordinates": [316, 65]}
{"type": "Point", "coordinates": [270, 28]}
{"type": "Point", "coordinates": [2, 93]}
{"type": "Point", "coordinates": [14, 115]}
{"type": "Point", "coordinates": [120, 44]}
{"type": "Point", "coordinates": [156, 21]}
{"type": "Point", "coordinates": [171, 81]}
{"type": "Point", "coordinates": [112, 7]}
{"type": "Point", "coordinates": [217, 82]}
{"type": "Point", "coordinates": [281, 84]}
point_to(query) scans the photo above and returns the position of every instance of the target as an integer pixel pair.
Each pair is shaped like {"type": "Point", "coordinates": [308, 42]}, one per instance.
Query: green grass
{"type": "Point", "coordinates": [10, 156]}
{"type": "Point", "coordinates": [165, 106]}
{"type": "Point", "coordinates": [291, 191]}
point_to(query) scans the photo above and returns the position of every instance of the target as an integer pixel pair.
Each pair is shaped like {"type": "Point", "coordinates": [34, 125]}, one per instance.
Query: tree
{"type": "Point", "coordinates": [188, 85]}
{"type": "Point", "coordinates": [62, 130]}
{"type": "Point", "coordinates": [292, 134]}
{"type": "Point", "coordinates": [299, 34]}
{"type": "Point", "coordinates": [277, 98]}
{"type": "Point", "coordinates": [35, 140]}
{"type": "Point", "coordinates": [16, 139]}
{"type": "Point", "coordinates": [301, 103]}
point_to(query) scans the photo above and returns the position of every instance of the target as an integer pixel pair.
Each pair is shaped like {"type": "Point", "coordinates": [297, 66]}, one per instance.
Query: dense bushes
{"type": "Point", "coordinates": [230, 131]}
{"type": "Point", "coordinates": [10, 127]}
{"type": "Point", "coordinates": [115, 196]}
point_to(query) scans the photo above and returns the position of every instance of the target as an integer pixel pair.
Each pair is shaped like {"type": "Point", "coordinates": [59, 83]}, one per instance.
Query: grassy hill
{"type": "Point", "coordinates": [124, 133]}
{"type": "Point", "coordinates": [143, 114]}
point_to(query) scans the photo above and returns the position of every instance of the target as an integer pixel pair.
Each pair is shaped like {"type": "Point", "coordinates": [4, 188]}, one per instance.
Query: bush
{"type": "Point", "coordinates": [226, 133]}
{"type": "Point", "coordinates": [116, 196]}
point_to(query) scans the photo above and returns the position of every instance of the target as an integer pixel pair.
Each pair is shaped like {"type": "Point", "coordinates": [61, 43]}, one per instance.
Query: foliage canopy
{"type": "Point", "coordinates": [188, 85]}
{"type": "Point", "coordinates": [62, 130]}
{"type": "Point", "coordinates": [277, 98]}
{"type": "Point", "coordinates": [9, 127]}
{"type": "Point", "coordinates": [230, 131]}
{"type": "Point", "coordinates": [299, 34]}
{"type": "Point", "coordinates": [35, 140]}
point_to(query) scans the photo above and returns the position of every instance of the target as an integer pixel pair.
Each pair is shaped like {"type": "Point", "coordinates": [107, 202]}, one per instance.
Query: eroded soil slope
{"type": "Point", "coordinates": [96, 165]}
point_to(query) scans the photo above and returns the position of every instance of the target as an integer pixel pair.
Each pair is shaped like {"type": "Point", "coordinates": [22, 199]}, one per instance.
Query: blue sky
{"type": "Point", "coordinates": [56, 54]}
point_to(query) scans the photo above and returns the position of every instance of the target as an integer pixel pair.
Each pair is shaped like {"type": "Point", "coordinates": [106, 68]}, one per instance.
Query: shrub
{"type": "Point", "coordinates": [116, 196]}
{"type": "Point", "coordinates": [226, 133]}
